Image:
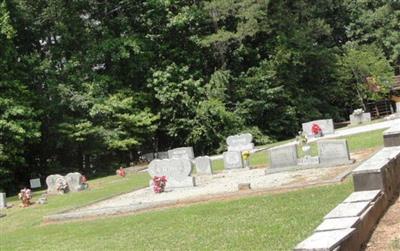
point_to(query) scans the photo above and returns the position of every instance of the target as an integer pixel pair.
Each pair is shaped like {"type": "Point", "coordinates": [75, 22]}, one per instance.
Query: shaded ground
{"type": "Point", "coordinates": [387, 234]}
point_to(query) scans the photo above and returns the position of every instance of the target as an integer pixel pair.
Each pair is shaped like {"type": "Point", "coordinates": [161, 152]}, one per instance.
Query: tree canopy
{"type": "Point", "coordinates": [88, 85]}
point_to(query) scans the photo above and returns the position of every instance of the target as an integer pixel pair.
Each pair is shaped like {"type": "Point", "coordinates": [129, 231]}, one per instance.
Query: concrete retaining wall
{"type": "Point", "coordinates": [349, 225]}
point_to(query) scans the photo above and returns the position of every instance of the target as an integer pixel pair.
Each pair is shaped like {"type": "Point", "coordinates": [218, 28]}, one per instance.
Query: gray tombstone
{"type": "Point", "coordinates": [240, 142]}
{"type": "Point", "coordinates": [148, 156]}
{"type": "Point", "coordinates": [3, 202]}
{"type": "Point", "coordinates": [162, 155]}
{"type": "Point", "coordinates": [334, 152]}
{"type": "Point", "coordinates": [52, 181]}
{"type": "Point", "coordinates": [181, 153]}
{"type": "Point", "coordinates": [177, 172]}
{"type": "Point", "coordinates": [35, 183]}
{"type": "Point", "coordinates": [203, 165]}
{"type": "Point", "coordinates": [74, 181]}
{"type": "Point", "coordinates": [326, 126]}
{"type": "Point", "coordinates": [233, 160]}
{"type": "Point", "coordinates": [283, 156]}
{"type": "Point", "coordinates": [356, 119]}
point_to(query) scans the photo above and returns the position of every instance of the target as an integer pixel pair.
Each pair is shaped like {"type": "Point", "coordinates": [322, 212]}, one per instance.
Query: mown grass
{"type": "Point", "coordinates": [356, 142]}
{"type": "Point", "coordinates": [268, 222]}
{"type": "Point", "coordinates": [20, 218]}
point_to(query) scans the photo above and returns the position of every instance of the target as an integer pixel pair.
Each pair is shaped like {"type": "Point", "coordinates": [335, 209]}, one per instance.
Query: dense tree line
{"type": "Point", "coordinates": [87, 85]}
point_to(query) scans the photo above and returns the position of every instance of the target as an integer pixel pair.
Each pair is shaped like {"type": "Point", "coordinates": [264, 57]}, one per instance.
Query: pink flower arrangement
{"type": "Point", "coordinates": [121, 172]}
{"type": "Point", "coordinates": [25, 195]}
{"type": "Point", "coordinates": [316, 130]}
{"type": "Point", "coordinates": [159, 184]}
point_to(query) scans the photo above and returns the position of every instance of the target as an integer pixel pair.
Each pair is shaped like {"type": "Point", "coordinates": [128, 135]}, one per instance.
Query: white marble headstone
{"type": "Point", "coordinates": [326, 126]}
{"type": "Point", "coordinates": [233, 160]}
{"type": "Point", "coordinates": [177, 172]}
{"type": "Point", "coordinates": [51, 182]}
{"type": "Point", "coordinates": [203, 165]}
{"type": "Point", "coordinates": [3, 203]}
{"type": "Point", "coordinates": [74, 181]}
{"type": "Point", "coordinates": [240, 142]}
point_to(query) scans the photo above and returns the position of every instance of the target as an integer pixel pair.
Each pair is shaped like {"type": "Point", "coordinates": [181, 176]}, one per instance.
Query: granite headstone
{"type": "Point", "coordinates": [240, 142]}
{"type": "Point", "coordinates": [181, 153]}
{"type": "Point", "coordinates": [52, 182]}
{"type": "Point", "coordinates": [326, 126]}
{"type": "Point", "coordinates": [356, 119]}
{"type": "Point", "coordinates": [283, 156]}
{"type": "Point", "coordinates": [333, 152]}
{"type": "Point", "coordinates": [74, 181]}
{"type": "Point", "coordinates": [203, 165]}
{"type": "Point", "coordinates": [177, 172]}
{"type": "Point", "coordinates": [233, 160]}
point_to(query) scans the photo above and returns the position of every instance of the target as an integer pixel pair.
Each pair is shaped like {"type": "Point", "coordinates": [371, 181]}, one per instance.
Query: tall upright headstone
{"type": "Point", "coordinates": [3, 202]}
{"type": "Point", "coordinates": [240, 142]}
{"type": "Point", "coordinates": [203, 165]}
{"type": "Point", "coordinates": [74, 181]}
{"type": "Point", "coordinates": [334, 152]}
{"type": "Point", "coordinates": [326, 126]}
{"type": "Point", "coordinates": [52, 182]}
{"type": "Point", "coordinates": [177, 172]}
{"type": "Point", "coordinates": [283, 156]}
{"type": "Point", "coordinates": [233, 160]}
{"type": "Point", "coordinates": [181, 153]}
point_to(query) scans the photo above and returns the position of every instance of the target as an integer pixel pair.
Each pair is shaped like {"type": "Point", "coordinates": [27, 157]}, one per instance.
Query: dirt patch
{"type": "Point", "coordinates": [387, 233]}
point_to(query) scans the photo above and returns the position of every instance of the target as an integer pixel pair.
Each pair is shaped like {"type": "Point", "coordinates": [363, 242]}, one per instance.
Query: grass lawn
{"type": "Point", "coordinates": [268, 222]}
{"type": "Point", "coordinates": [356, 142]}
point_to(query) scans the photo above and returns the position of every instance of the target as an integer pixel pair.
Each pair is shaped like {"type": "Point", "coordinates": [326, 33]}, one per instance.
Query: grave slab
{"type": "Point", "coordinates": [177, 172]}
{"type": "Point", "coordinates": [337, 223]}
{"type": "Point", "coordinates": [347, 210]}
{"type": "Point", "coordinates": [324, 241]}
{"type": "Point", "coordinates": [391, 137]}
{"type": "Point", "coordinates": [362, 196]}
{"type": "Point", "coordinates": [35, 183]}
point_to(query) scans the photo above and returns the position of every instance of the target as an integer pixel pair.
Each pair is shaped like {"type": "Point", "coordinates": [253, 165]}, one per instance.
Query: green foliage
{"type": "Point", "coordinates": [86, 86]}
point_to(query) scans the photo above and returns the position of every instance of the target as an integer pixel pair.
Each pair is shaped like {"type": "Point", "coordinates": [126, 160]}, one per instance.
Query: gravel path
{"type": "Point", "coordinates": [221, 183]}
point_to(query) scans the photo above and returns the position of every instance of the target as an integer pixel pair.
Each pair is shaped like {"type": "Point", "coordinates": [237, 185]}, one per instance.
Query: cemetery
{"type": "Point", "coordinates": [200, 125]}
{"type": "Point", "coordinates": [192, 181]}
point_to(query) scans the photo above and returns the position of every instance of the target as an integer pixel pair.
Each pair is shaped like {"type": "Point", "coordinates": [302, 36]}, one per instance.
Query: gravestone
{"type": "Point", "coordinates": [52, 182]}
{"type": "Point", "coordinates": [35, 183]}
{"type": "Point", "coordinates": [326, 126]}
{"type": "Point", "coordinates": [162, 155]}
{"type": "Point", "coordinates": [177, 172]}
{"type": "Point", "coordinates": [233, 160]}
{"type": "Point", "coordinates": [3, 202]}
{"type": "Point", "coordinates": [360, 118]}
{"type": "Point", "coordinates": [148, 156]}
{"type": "Point", "coordinates": [203, 165]}
{"type": "Point", "coordinates": [334, 152]}
{"type": "Point", "coordinates": [283, 156]}
{"type": "Point", "coordinates": [240, 142]}
{"type": "Point", "coordinates": [391, 137]}
{"type": "Point", "coordinates": [74, 181]}
{"type": "Point", "coordinates": [181, 153]}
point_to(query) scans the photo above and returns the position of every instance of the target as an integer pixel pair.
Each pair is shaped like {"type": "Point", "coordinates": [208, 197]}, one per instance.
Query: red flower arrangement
{"type": "Point", "coordinates": [316, 130]}
{"type": "Point", "coordinates": [159, 184]}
